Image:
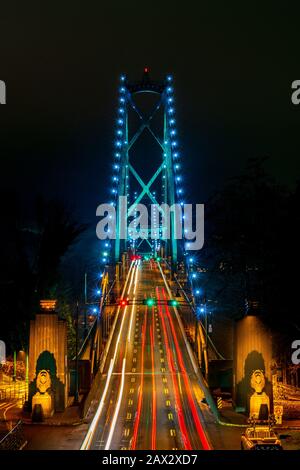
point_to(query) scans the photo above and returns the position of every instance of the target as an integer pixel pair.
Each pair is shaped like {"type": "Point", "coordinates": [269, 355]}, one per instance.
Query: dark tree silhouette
{"type": "Point", "coordinates": [31, 253]}
{"type": "Point", "coordinates": [251, 242]}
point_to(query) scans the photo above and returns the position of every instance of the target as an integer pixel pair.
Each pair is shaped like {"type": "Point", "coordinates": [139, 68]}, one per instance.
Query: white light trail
{"type": "Point", "coordinates": [89, 436]}
{"type": "Point", "coordinates": [133, 306]}
{"type": "Point", "coordinates": [117, 409]}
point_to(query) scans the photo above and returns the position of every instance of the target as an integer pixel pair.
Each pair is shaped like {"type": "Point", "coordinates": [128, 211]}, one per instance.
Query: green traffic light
{"type": "Point", "coordinates": [173, 303]}
{"type": "Point", "coordinates": [150, 302]}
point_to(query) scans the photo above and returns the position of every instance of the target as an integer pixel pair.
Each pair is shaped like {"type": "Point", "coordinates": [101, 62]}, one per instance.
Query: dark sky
{"type": "Point", "coordinates": [233, 66]}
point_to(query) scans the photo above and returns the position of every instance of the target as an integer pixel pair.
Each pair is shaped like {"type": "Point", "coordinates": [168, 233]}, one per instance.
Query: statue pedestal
{"type": "Point", "coordinates": [256, 400]}
{"type": "Point", "coordinates": [45, 400]}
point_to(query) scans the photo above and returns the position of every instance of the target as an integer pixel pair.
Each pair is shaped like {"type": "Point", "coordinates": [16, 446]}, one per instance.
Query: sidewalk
{"type": "Point", "coordinates": [228, 415]}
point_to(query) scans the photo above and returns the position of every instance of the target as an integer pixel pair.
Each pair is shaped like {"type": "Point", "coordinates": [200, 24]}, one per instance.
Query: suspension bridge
{"type": "Point", "coordinates": [149, 351]}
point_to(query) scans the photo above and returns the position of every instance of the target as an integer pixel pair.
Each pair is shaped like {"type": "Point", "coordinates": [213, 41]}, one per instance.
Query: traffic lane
{"type": "Point", "coordinates": [120, 314]}
{"type": "Point", "coordinates": [116, 353]}
{"type": "Point", "coordinates": [192, 411]}
{"type": "Point", "coordinates": [162, 432]}
{"type": "Point", "coordinates": [124, 428]}
{"type": "Point", "coordinates": [187, 398]}
{"type": "Point", "coordinates": [172, 367]}
{"type": "Point", "coordinates": [144, 426]}
{"type": "Point", "coordinates": [182, 388]}
{"type": "Point", "coordinates": [167, 423]}
{"type": "Point", "coordinates": [154, 431]}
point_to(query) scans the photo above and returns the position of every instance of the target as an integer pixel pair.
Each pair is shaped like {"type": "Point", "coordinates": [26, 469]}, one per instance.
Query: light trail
{"type": "Point", "coordinates": [193, 408]}
{"type": "Point", "coordinates": [178, 407]}
{"type": "Point", "coordinates": [123, 319]}
{"type": "Point", "coordinates": [120, 396]}
{"type": "Point", "coordinates": [187, 344]}
{"type": "Point", "coordinates": [90, 434]}
{"type": "Point", "coordinates": [133, 306]}
{"type": "Point", "coordinates": [153, 436]}
{"type": "Point", "coordinates": [140, 398]}
{"type": "Point", "coordinates": [107, 347]}
{"type": "Point", "coordinates": [117, 409]}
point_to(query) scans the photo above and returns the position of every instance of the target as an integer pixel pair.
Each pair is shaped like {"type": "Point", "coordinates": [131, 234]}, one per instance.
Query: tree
{"type": "Point", "coordinates": [31, 254]}
{"type": "Point", "coordinates": [250, 239]}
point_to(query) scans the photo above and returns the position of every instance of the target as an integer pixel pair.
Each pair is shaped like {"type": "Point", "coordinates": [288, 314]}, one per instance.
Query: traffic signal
{"type": "Point", "coordinates": [150, 302]}
{"type": "Point", "coordinates": [173, 303]}
{"type": "Point", "coordinates": [123, 303]}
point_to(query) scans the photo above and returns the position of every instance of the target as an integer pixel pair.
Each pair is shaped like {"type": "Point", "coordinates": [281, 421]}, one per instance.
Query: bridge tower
{"type": "Point", "coordinates": [160, 124]}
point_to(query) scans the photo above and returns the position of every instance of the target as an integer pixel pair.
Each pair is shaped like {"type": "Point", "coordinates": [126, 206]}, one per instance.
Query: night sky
{"type": "Point", "coordinates": [233, 67]}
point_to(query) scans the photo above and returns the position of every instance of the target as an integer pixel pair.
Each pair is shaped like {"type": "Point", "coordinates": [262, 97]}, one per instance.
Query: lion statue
{"type": "Point", "coordinates": [43, 381]}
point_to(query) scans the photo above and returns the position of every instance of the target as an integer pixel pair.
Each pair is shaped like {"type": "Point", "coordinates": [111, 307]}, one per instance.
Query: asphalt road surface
{"type": "Point", "coordinates": [150, 397]}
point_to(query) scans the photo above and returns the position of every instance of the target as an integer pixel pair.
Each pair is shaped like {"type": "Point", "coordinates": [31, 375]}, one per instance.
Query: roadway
{"type": "Point", "coordinates": [150, 395]}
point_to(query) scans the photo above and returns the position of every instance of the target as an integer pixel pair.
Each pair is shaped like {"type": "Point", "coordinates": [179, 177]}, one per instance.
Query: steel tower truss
{"type": "Point", "coordinates": [168, 169]}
